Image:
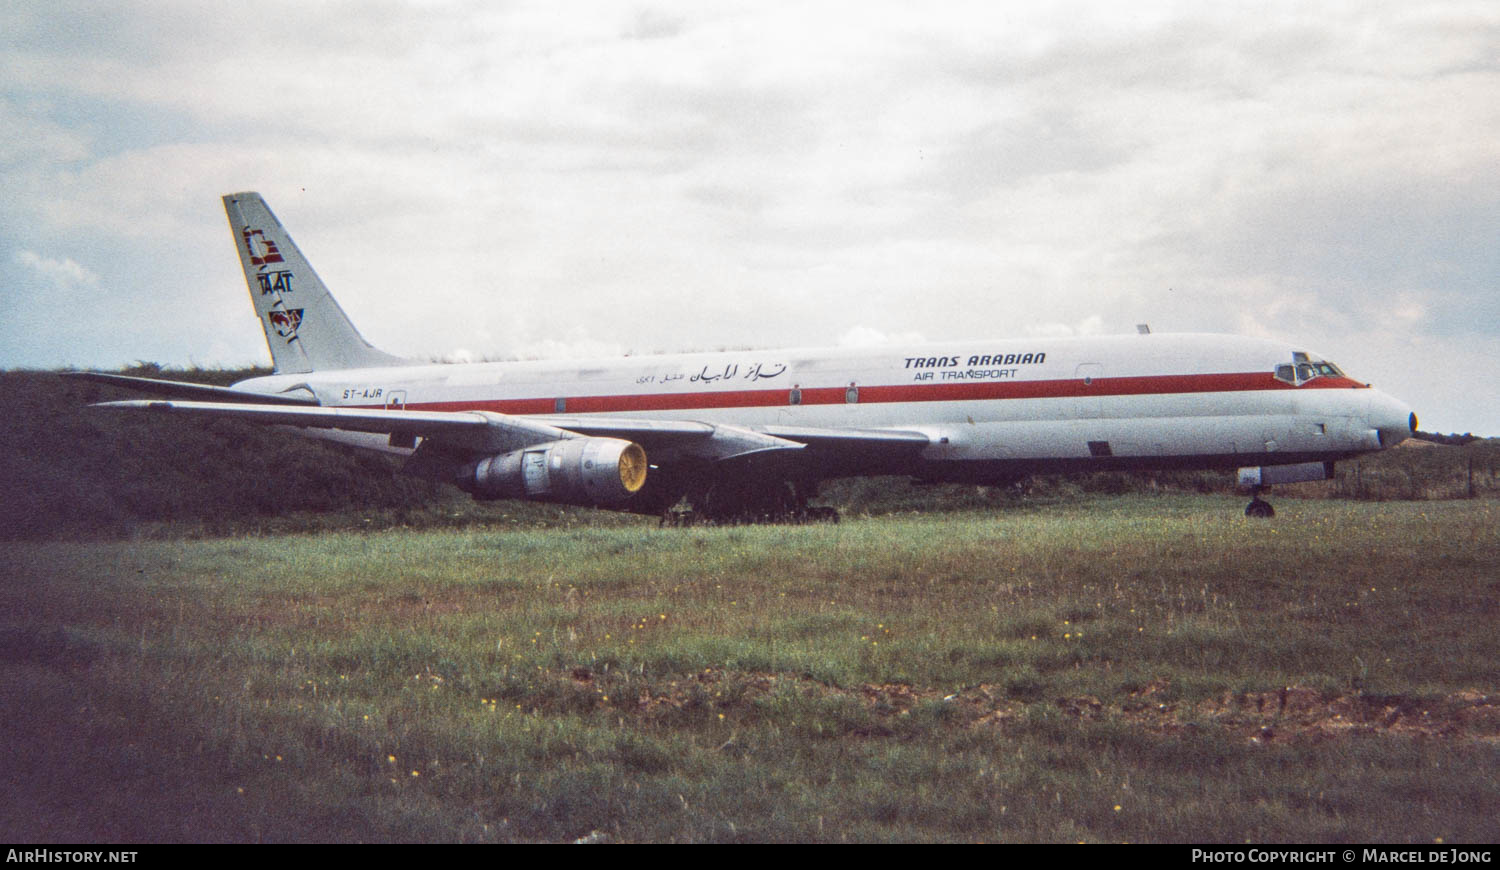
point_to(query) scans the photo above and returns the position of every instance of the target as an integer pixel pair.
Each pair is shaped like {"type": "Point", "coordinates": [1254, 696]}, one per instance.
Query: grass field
{"type": "Point", "coordinates": [1115, 669]}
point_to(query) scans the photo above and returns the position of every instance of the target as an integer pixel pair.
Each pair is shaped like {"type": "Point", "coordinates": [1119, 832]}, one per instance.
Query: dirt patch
{"type": "Point", "coordinates": [1302, 713]}
{"type": "Point", "coordinates": [722, 690]}
{"type": "Point", "coordinates": [1276, 715]}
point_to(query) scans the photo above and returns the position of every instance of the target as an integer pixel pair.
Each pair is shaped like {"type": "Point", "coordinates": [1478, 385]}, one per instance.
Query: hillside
{"type": "Point", "coordinates": [73, 471]}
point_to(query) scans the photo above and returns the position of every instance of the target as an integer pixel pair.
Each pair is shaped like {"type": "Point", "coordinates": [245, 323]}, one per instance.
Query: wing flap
{"type": "Point", "coordinates": [677, 438]}
{"type": "Point", "coordinates": [684, 433]}
{"type": "Point", "coordinates": [646, 432]}
{"type": "Point", "coordinates": [898, 439]}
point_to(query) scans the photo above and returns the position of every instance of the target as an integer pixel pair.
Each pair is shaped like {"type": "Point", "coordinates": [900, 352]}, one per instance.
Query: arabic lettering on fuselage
{"type": "Point", "coordinates": [759, 371]}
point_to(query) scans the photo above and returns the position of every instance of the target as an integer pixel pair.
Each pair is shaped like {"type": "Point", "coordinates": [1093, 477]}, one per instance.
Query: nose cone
{"type": "Point", "coordinates": [1392, 418]}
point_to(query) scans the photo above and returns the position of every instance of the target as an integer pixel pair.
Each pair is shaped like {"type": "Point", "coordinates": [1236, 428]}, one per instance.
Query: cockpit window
{"type": "Point", "coordinates": [1303, 369]}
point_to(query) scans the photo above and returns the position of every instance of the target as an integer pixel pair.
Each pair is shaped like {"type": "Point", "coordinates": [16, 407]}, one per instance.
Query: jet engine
{"type": "Point", "coordinates": [581, 471]}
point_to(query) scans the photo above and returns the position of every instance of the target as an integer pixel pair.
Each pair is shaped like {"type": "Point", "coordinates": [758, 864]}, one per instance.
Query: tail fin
{"type": "Point", "coordinates": [305, 328]}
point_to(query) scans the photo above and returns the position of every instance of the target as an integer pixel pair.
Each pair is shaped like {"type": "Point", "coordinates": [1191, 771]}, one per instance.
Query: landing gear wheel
{"type": "Point", "coordinates": [1260, 510]}
{"type": "Point", "coordinates": [749, 501]}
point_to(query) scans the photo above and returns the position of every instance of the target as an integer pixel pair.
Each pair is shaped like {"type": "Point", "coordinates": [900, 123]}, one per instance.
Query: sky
{"type": "Point", "coordinates": [544, 179]}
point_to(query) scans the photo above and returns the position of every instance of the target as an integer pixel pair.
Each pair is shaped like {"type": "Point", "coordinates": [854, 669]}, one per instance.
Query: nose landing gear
{"type": "Point", "coordinates": [1258, 479]}
{"type": "Point", "coordinates": [1259, 508]}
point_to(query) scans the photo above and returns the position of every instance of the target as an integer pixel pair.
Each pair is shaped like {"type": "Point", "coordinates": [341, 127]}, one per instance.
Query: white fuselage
{"type": "Point", "coordinates": [1115, 401]}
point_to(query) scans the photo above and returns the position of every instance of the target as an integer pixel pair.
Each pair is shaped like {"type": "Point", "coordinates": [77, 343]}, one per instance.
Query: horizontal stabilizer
{"type": "Point", "coordinates": [191, 391]}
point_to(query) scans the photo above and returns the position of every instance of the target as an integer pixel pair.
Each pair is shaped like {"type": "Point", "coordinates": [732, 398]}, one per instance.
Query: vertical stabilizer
{"type": "Point", "coordinates": [305, 328]}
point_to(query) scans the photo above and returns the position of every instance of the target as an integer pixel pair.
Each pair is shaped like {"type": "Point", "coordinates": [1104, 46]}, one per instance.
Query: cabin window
{"type": "Point", "coordinates": [560, 405]}
{"type": "Point", "coordinates": [851, 395]}
{"type": "Point", "coordinates": [795, 397]}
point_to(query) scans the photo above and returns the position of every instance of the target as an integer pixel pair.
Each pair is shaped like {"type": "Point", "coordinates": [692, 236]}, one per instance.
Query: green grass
{"type": "Point", "coordinates": [1142, 669]}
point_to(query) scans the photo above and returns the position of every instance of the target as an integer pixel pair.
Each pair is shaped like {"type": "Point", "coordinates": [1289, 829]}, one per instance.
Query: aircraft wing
{"type": "Point", "coordinates": [488, 432]}
{"type": "Point", "coordinates": [479, 431]}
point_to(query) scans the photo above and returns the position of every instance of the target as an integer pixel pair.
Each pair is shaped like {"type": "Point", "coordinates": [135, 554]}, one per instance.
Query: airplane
{"type": "Point", "coordinates": [749, 435]}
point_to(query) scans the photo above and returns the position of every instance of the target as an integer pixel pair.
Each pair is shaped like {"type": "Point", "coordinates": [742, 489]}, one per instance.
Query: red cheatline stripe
{"type": "Point", "coordinates": [1154, 385]}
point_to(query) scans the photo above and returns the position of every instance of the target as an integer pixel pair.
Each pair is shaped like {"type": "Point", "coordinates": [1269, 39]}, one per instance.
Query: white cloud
{"type": "Point", "coordinates": [64, 274]}
{"type": "Point", "coordinates": [864, 336]}
{"type": "Point", "coordinates": [1091, 325]}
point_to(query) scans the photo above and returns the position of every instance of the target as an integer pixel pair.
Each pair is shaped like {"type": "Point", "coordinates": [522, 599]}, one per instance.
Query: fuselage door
{"type": "Point", "coordinates": [395, 400]}
{"type": "Point", "coordinates": [1089, 375]}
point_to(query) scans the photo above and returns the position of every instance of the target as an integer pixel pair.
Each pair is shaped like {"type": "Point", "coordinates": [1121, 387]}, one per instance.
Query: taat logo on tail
{"type": "Point", "coordinates": [285, 321]}
{"type": "Point", "coordinates": [262, 250]}
{"type": "Point", "coordinates": [274, 282]}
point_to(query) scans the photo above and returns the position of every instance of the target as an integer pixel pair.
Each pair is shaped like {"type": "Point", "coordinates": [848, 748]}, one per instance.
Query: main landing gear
{"type": "Point", "coordinates": [745, 500]}
{"type": "Point", "coordinates": [1259, 508]}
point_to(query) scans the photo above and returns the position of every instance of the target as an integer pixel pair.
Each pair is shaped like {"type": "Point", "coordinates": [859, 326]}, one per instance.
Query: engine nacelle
{"type": "Point", "coordinates": [581, 471]}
